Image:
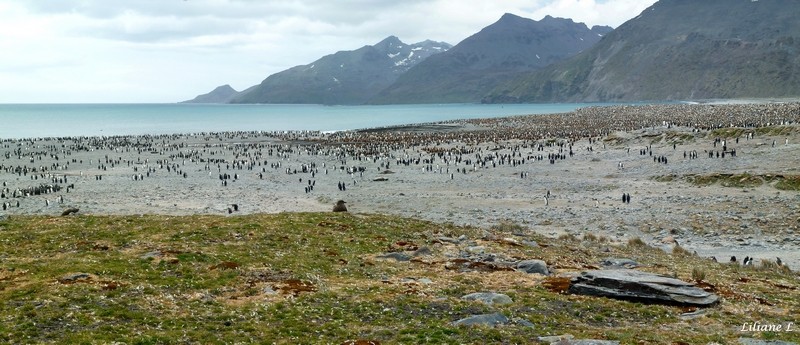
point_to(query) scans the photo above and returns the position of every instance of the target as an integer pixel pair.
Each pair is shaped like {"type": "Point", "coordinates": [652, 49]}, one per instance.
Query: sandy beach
{"type": "Point", "coordinates": [711, 178]}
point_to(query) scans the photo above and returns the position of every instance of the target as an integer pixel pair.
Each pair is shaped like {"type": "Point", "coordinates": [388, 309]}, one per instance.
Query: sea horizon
{"type": "Point", "coordinates": [43, 120]}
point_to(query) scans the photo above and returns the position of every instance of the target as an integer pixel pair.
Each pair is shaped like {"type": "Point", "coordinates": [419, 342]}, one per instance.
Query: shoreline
{"type": "Point", "coordinates": [478, 172]}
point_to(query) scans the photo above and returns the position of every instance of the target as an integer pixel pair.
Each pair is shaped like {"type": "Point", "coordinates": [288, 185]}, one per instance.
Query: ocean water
{"type": "Point", "coordinates": [62, 120]}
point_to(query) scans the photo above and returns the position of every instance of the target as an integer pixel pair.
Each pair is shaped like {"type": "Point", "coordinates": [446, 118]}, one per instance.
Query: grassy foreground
{"type": "Point", "coordinates": [314, 278]}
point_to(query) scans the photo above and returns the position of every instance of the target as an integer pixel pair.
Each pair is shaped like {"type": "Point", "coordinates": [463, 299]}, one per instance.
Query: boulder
{"type": "Point", "coordinates": [533, 266]}
{"type": "Point", "coordinates": [640, 286]}
{"type": "Point", "coordinates": [489, 298]}
{"type": "Point", "coordinates": [483, 319]}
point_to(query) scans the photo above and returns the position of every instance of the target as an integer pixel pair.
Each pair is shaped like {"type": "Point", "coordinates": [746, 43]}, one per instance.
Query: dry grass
{"type": "Point", "coordinates": [314, 278]}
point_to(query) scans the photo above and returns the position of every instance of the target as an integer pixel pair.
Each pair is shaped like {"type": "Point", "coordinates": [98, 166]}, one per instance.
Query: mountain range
{"type": "Point", "coordinates": [346, 77]}
{"type": "Point", "coordinates": [673, 50]}
{"type": "Point", "coordinates": [426, 72]}
{"type": "Point", "coordinates": [499, 52]}
{"type": "Point", "coordinates": [678, 50]}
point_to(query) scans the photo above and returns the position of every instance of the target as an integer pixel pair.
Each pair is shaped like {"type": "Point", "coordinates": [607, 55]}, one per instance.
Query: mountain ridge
{"type": "Point", "coordinates": [344, 77]}
{"type": "Point", "coordinates": [751, 51]}
{"type": "Point", "coordinates": [473, 67]}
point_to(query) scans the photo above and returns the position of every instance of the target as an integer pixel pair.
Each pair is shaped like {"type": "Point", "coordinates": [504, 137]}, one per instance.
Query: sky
{"type": "Point", "coordinates": [166, 51]}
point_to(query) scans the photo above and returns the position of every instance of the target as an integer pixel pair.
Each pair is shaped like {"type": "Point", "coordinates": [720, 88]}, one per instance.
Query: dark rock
{"type": "Point", "coordinates": [396, 256]}
{"type": "Point", "coordinates": [75, 277]}
{"type": "Point", "coordinates": [640, 286]}
{"type": "Point", "coordinates": [489, 298]}
{"type": "Point", "coordinates": [523, 322]}
{"type": "Point", "coordinates": [613, 263]}
{"type": "Point", "coordinates": [483, 319]}
{"type": "Point", "coordinates": [533, 266]}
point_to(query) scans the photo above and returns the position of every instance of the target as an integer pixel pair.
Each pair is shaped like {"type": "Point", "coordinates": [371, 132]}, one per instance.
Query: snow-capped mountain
{"type": "Point", "coordinates": [346, 77]}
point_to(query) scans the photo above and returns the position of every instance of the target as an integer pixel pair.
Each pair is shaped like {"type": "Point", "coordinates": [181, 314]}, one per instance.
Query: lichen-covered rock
{"type": "Point", "coordinates": [489, 298]}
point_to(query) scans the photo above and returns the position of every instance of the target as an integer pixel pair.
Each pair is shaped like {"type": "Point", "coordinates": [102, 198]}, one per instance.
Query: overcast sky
{"type": "Point", "coordinates": [156, 51]}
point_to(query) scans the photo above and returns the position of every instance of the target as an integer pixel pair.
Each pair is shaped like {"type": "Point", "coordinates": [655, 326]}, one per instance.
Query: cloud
{"type": "Point", "coordinates": [169, 50]}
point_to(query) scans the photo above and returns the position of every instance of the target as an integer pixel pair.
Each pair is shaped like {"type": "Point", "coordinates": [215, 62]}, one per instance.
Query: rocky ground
{"type": "Point", "coordinates": [479, 173]}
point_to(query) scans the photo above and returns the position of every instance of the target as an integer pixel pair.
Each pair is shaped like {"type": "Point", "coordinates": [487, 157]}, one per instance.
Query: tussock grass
{"type": "Point", "coordinates": [314, 278]}
{"type": "Point", "coordinates": [678, 250]}
{"type": "Point", "coordinates": [745, 180]}
{"type": "Point", "coordinates": [636, 242]}
{"type": "Point", "coordinates": [508, 227]}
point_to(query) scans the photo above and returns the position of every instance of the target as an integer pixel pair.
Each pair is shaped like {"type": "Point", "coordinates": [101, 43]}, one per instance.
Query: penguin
{"type": "Point", "coordinates": [733, 259]}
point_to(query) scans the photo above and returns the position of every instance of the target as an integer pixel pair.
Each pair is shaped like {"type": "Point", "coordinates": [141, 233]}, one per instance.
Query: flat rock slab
{"type": "Point", "coordinates": [640, 286]}
{"type": "Point", "coordinates": [483, 319]}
